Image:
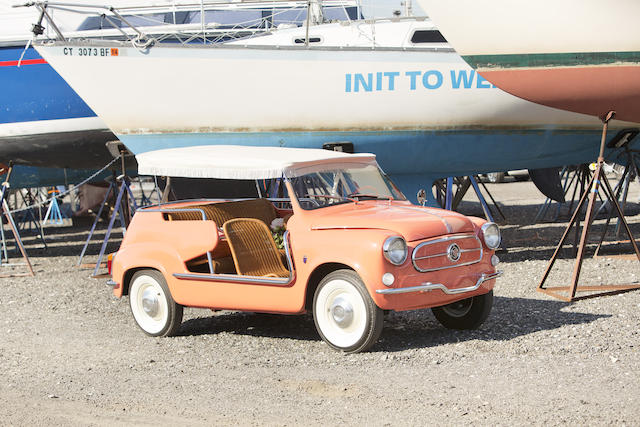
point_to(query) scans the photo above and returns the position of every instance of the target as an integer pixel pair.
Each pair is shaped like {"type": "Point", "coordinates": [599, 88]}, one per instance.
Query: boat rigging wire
{"type": "Point", "coordinates": [69, 190]}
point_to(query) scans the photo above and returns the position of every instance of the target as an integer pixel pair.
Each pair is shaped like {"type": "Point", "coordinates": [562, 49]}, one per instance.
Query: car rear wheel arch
{"type": "Point", "coordinates": [128, 275]}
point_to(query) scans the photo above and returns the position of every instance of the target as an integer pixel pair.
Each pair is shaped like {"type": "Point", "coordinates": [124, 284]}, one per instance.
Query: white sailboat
{"type": "Point", "coordinates": [393, 87]}
{"type": "Point", "coordinates": [44, 123]}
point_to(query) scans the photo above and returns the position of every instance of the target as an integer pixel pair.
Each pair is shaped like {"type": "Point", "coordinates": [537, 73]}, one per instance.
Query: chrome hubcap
{"type": "Point", "coordinates": [342, 312]}
{"type": "Point", "coordinates": [150, 303]}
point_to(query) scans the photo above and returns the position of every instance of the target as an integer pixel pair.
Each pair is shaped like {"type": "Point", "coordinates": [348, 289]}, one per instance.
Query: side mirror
{"type": "Point", "coordinates": [422, 196]}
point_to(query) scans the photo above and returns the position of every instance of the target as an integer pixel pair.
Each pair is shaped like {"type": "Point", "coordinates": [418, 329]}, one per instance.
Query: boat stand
{"type": "Point", "coordinates": [450, 200]}
{"type": "Point", "coordinates": [146, 199]}
{"type": "Point", "coordinates": [95, 223]}
{"type": "Point", "coordinates": [592, 191]}
{"type": "Point", "coordinates": [28, 221]}
{"type": "Point", "coordinates": [125, 211]}
{"type": "Point", "coordinates": [124, 208]}
{"type": "Point", "coordinates": [53, 211]}
{"type": "Point", "coordinates": [621, 190]}
{"type": "Point", "coordinates": [4, 210]}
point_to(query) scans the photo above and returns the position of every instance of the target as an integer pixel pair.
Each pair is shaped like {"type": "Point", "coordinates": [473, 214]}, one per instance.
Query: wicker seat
{"type": "Point", "coordinates": [261, 209]}
{"type": "Point", "coordinates": [253, 249]}
{"type": "Point", "coordinates": [220, 213]}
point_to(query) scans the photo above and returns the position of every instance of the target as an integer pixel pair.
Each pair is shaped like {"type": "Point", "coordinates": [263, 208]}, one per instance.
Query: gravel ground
{"type": "Point", "coordinates": [71, 353]}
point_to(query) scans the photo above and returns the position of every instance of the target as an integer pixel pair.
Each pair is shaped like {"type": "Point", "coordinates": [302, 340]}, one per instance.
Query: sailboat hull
{"type": "Point", "coordinates": [576, 55]}
{"type": "Point", "coordinates": [425, 113]}
{"type": "Point", "coordinates": [593, 90]}
{"type": "Point", "coordinates": [42, 120]}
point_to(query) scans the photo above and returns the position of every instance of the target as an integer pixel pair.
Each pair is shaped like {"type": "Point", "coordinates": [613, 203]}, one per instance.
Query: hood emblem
{"type": "Point", "coordinates": [453, 252]}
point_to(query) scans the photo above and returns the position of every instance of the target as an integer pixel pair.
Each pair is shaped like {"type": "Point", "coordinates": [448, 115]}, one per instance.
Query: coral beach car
{"type": "Point", "coordinates": [353, 248]}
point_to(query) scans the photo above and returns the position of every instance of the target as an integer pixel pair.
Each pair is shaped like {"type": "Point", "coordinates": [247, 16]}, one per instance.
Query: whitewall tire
{"type": "Point", "coordinates": [152, 306]}
{"type": "Point", "coordinates": [345, 315]}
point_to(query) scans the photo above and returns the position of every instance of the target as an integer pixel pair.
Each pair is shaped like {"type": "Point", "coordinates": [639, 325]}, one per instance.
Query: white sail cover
{"type": "Point", "coordinates": [242, 162]}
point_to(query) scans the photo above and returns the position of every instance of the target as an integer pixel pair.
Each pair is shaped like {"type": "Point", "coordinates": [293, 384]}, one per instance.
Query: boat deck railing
{"type": "Point", "coordinates": [146, 25]}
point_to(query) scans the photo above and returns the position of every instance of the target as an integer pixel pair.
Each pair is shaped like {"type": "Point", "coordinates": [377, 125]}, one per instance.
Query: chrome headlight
{"type": "Point", "coordinates": [395, 250]}
{"type": "Point", "coordinates": [491, 235]}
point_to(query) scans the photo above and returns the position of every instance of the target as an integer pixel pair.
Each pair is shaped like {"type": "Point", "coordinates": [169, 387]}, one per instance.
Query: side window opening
{"type": "Point", "coordinates": [427, 36]}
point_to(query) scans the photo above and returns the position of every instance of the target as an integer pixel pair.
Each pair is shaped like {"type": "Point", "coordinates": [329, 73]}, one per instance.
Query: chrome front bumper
{"type": "Point", "coordinates": [428, 286]}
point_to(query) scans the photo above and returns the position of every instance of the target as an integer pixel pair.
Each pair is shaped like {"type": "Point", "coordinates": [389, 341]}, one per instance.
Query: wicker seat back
{"type": "Point", "coordinates": [261, 209]}
{"type": "Point", "coordinates": [253, 249]}
{"type": "Point", "coordinates": [186, 215]}
{"type": "Point", "coordinates": [220, 213]}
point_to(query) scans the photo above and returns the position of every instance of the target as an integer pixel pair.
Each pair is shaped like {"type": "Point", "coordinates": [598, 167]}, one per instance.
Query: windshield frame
{"type": "Point", "coordinates": [342, 178]}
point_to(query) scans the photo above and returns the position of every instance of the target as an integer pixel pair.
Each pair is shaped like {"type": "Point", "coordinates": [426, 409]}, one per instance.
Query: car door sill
{"type": "Point", "coordinates": [234, 278]}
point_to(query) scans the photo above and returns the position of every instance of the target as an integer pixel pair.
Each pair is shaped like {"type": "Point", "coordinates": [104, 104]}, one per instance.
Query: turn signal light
{"type": "Point", "coordinates": [110, 259]}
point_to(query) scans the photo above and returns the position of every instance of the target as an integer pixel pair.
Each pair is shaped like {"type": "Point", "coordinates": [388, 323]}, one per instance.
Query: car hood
{"type": "Point", "coordinates": [412, 222]}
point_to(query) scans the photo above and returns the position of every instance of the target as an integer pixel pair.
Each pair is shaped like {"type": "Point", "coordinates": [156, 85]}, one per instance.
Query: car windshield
{"type": "Point", "coordinates": [345, 184]}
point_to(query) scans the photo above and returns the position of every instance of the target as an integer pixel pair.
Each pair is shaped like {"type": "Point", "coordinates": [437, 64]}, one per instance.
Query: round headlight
{"type": "Point", "coordinates": [491, 235]}
{"type": "Point", "coordinates": [395, 250]}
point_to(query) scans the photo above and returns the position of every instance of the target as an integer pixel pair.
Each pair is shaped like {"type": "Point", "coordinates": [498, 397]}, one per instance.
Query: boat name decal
{"type": "Point", "coordinates": [414, 80]}
{"type": "Point", "coordinates": [90, 51]}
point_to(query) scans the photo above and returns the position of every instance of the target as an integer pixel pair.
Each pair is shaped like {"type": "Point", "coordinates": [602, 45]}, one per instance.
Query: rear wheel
{"type": "Point", "coordinates": [468, 313]}
{"type": "Point", "coordinates": [345, 315]}
{"type": "Point", "coordinates": [152, 306]}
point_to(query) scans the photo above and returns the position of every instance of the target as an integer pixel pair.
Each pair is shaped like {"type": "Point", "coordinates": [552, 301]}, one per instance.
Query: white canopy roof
{"type": "Point", "coordinates": [242, 162]}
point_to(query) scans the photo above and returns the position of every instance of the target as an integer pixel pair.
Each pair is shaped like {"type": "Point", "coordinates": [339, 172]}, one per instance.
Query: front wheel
{"type": "Point", "coordinates": [152, 306]}
{"type": "Point", "coordinates": [345, 315]}
{"type": "Point", "coordinates": [468, 313]}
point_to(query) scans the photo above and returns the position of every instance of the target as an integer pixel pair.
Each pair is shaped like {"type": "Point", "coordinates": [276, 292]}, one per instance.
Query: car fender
{"type": "Point", "coordinates": [359, 249]}
{"type": "Point", "coordinates": [139, 256]}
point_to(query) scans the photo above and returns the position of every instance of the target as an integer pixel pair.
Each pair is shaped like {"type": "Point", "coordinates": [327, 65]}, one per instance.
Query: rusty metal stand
{"type": "Point", "coordinates": [631, 171]}
{"type": "Point", "coordinates": [4, 209]}
{"type": "Point", "coordinates": [598, 178]}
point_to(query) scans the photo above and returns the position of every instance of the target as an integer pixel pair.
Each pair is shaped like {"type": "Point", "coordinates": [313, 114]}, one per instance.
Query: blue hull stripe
{"type": "Point", "coordinates": [438, 153]}
{"type": "Point", "coordinates": [34, 92]}
{"type": "Point", "coordinates": [415, 158]}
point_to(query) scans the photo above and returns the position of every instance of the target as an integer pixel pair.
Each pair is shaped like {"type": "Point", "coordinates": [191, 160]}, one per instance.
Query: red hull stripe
{"type": "Point", "coordinates": [23, 62]}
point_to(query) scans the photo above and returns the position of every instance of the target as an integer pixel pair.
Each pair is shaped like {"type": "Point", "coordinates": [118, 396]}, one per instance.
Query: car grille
{"type": "Point", "coordinates": [433, 255]}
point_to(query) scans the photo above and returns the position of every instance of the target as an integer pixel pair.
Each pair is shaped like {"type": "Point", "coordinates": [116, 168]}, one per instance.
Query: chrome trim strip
{"type": "Point", "coordinates": [342, 227]}
{"type": "Point", "coordinates": [235, 278]}
{"type": "Point", "coordinates": [448, 238]}
{"type": "Point", "coordinates": [445, 253]}
{"type": "Point", "coordinates": [210, 262]}
{"type": "Point", "coordinates": [445, 239]}
{"type": "Point", "coordinates": [232, 278]}
{"type": "Point", "coordinates": [111, 283]}
{"type": "Point", "coordinates": [428, 286]}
